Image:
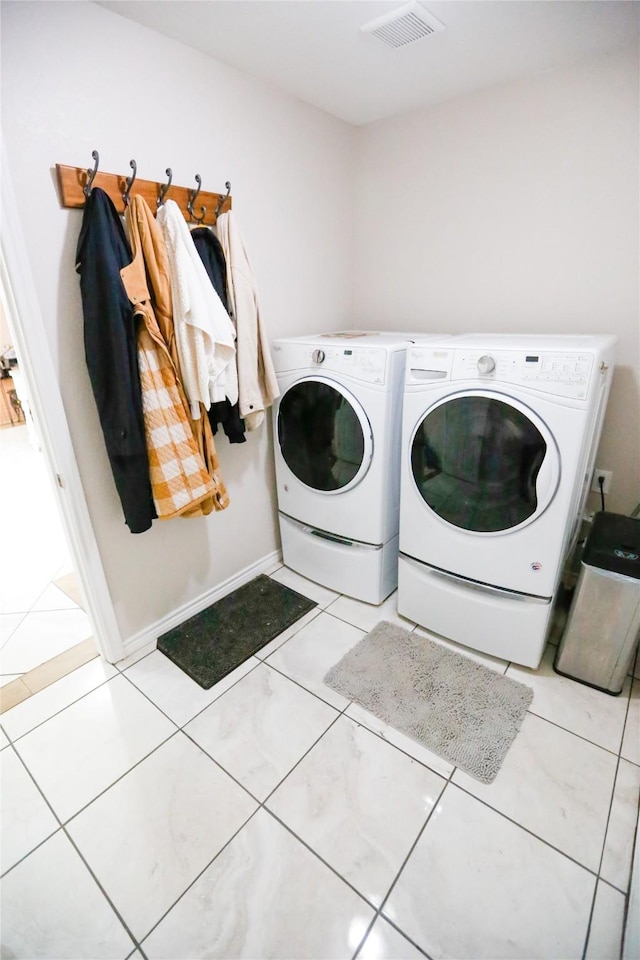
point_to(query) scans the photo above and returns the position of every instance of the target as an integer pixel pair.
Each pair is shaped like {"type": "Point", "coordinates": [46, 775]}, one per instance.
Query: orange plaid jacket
{"type": "Point", "coordinates": [183, 465]}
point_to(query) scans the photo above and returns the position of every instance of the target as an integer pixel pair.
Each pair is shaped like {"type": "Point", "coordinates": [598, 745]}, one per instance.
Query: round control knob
{"type": "Point", "coordinates": [318, 356]}
{"type": "Point", "coordinates": [486, 364]}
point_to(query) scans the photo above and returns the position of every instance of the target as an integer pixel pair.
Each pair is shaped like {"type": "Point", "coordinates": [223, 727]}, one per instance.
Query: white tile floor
{"type": "Point", "coordinates": [267, 817]}
{"type": "Point", "coordinates": [38, 621]}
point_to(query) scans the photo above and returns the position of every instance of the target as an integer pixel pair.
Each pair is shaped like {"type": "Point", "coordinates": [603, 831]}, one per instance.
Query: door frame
{"type": "Point", "coordinates": [19, 300]}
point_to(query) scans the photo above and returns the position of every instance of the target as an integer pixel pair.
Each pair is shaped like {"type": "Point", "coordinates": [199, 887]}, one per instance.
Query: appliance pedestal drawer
{"type": "Point", "coordinates": [359, 570]}
{"type": "Point", "coordinates": [506, 625]}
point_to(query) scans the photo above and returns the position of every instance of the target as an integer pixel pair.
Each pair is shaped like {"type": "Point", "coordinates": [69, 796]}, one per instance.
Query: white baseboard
{"type": "Point", "coordinates": [180, 614]}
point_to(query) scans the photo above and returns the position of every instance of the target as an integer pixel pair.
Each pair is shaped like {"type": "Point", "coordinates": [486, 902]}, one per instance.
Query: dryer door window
{"type": "Point", "coordinates": [324, 435]}
{"type": "Point", "coordinates": [484, 464]}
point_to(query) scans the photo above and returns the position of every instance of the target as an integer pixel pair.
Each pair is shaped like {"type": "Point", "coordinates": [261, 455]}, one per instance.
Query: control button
{"type": "Point", "coordinates": [486, 364]}
{"type": "Point", "coordinates": [318, 356]}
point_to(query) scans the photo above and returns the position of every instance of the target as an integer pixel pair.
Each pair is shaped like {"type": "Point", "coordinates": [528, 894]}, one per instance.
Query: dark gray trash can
{"type": "Point", "coordinates": [603, 625]}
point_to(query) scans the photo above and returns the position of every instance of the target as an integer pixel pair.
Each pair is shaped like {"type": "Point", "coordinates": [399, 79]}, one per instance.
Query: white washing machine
{"type": "Point", "coordinates": [337, 430]}
{"type": "Point", "coordinates": [500, 435]}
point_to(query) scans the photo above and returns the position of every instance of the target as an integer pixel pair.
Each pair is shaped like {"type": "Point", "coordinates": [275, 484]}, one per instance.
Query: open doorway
{"type": "Point", "coordinates": [64, 531]}
{"type": "Point", "coordinates": [45, 632]}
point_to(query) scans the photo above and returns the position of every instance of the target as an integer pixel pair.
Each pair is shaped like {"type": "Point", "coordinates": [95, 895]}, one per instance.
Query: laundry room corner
{"type": "Point", "coordinates": [186, 111]}
{"type": "Point", "coordinates": [515, 209]}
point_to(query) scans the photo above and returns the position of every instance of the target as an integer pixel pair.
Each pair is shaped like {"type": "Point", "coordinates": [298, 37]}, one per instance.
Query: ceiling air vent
{"type": "Point", "coordinates": [408, 23]}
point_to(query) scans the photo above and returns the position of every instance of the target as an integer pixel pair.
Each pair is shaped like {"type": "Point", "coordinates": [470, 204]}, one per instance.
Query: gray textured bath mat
{"type": "Point", "coordinates": [217, 640]}
{"type": "Point", "coordinates": [457, 708]}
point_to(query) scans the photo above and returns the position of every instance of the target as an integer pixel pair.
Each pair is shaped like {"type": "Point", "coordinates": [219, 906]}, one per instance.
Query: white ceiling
{"type": "Point", "coordinates": [314, 49]}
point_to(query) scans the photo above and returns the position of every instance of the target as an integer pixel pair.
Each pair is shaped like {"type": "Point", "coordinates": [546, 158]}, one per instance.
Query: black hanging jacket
{"type": "Point", "coordinates": [111, 354]}
{"type": "Point", "coordinates": [212, 255]}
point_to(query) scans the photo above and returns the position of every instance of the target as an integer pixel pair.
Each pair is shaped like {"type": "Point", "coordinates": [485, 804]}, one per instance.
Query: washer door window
{"type": "Point", "coordinates": [324, 435]}
{"type": "Point", "coordinates": [484, 464]}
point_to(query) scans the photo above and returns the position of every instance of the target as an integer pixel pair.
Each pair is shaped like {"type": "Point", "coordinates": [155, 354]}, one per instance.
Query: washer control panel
{"type": "Point", "coordinates": [368, 364]}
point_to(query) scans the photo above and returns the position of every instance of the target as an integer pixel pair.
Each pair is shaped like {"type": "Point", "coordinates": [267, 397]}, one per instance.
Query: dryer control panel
{"type": "Point", "coordinates": [561, 373]}
{"type": "Point", "coordinates": [367, 364]}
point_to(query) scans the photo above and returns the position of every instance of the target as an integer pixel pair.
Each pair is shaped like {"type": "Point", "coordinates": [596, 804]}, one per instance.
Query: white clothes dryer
{"type": "Point", "coordinates": [500, 434]}
{"type": "Point", "coordinates": [337, 431]}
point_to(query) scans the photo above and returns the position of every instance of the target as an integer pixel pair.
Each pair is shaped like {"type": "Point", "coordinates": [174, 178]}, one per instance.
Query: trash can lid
{"type": "Point", "coordinates": [614, 544]}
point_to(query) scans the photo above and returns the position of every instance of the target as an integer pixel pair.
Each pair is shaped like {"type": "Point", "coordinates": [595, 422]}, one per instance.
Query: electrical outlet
{"type": "Point", "coordinates": [606, 476]}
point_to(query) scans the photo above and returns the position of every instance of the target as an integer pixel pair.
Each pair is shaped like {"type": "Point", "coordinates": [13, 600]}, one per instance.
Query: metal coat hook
{"type": "Point", "coordinates": [91, 173]}
{"type": "Point", "coordinates": [221, 201]}
{"type": "Point", "coordinates": [130, 180]}
{"type": "Point", "coordinates": [192, 200]}
{"type": "Point", "coordinates": [164, 190]}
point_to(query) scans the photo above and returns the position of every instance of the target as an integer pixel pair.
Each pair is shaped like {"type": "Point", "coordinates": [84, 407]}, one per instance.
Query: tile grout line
{"type": "Point", "coordinates": [9, 613]}
{"type": "Point", "coordinates": [199, 875]}
{"type": "Point", "coordinates": [178, 729]}
{"type": "Point", "coordinates": [68, 820]}
{"type": "Point", "coordinates": [66, 706]}
{"type": "Point", "coordinates": [547, 843]}
{"type": "Point", "coordinates": [101, 889]}
{"type": "Point", "coordinates": [507, 665]}
{"type": "Point", "coordinates": [397, 876]}
{"type": "Point", "coordinates": [602, 850]}
{"type": "Point", "coordinates": [301, 686]}
{"type": "Point", "coordinates": [206, 707]}
{"type": "Point", "coordinates": [579, 735]}
{"type": "Point", "coordinates": [267, 810]}
{"type": "Point", "coordinates": [340, 713]}
{"type": "Point", "coordinates": [75, 606]}
{"type": "Point", "coordinates": [298, 762]}
{"type": "Point", "coordinates": [26, 677]}
{"type": "Point", "coordinates": [64, 824]}
{"type": "Point", "coordinates": [62, 829]}
{"type": "Point", "coordinates": [122, 775]}
{"type": "Point", "coordinates": [627, 894]}
{"type": "Point", "coordinates": [262, 804]}
{"type": "Point", "coordinates": [627, 902]}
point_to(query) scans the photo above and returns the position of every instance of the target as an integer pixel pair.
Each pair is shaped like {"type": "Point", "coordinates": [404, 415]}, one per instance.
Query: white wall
{"type": "Point", "coordinates": [76, 77]}
{"type": "Point", "coordinates": [515, 209]}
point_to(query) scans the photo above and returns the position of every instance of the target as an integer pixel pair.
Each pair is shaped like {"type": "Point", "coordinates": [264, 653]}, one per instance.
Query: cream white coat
{"type": "Point", "coordinates": [204, 333]}
{"type": "Point", "coordinates": [257, 383]}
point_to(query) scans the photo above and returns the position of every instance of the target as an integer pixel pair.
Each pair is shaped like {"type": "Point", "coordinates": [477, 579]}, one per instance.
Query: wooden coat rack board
{"type": "Point", "coordinates": [72, 181]}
